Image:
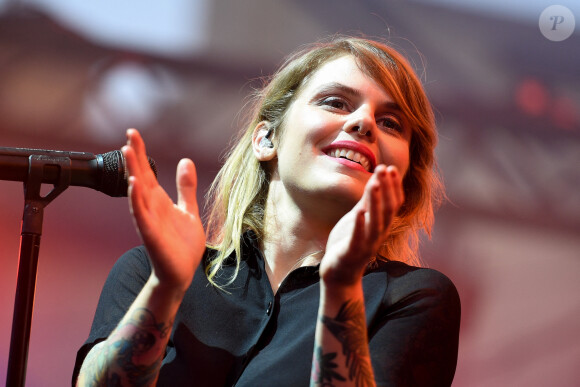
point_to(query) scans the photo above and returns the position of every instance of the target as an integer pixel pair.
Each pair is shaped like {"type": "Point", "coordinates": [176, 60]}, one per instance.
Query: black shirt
{"type": "Point", "coordinates": [249, 336]}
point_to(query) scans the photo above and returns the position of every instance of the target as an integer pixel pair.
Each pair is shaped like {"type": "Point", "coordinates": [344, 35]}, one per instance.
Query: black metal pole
{"type": "Point", "coordinates": [23, 305]}
{"type": "Point", "coordinates": [34, 204]}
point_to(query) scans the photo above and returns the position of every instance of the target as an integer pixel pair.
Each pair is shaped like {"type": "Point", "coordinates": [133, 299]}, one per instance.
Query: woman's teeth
{"type": "Point", "coordinates": [352, 156]}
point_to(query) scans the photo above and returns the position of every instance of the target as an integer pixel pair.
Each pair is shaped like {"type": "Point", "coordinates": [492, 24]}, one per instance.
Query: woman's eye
{"type": "Point", "coordinates": [335, 103]}
{"type": "Point", "coordinates": [391, 123]}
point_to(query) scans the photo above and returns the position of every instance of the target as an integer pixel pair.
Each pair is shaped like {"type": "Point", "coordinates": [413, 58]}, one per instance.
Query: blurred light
{"type": "Point", "coordinates": [169, 27]}
{"type": "Point", "coordinates": [128, 95]}
{"type": "Point", "coordinates": [565, 113]}
{"type": "Point", "coordinates": [532, 97]}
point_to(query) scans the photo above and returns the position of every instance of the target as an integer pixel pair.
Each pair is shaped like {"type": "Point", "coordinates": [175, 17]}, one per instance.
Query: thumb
{"type": "Point", "coordinates": [186, 179]}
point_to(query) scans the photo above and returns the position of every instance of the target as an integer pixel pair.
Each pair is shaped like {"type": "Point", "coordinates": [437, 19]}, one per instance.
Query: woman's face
{"type": "Point", "coordinates": [341, 125]}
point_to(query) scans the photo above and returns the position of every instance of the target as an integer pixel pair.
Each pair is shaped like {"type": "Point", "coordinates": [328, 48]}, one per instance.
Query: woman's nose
{"type": "Point", "coordinates": [362, 122]}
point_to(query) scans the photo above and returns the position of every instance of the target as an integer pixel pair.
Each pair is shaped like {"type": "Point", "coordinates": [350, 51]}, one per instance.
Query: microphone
{"type": "Point", "coordinates": [104, 172]}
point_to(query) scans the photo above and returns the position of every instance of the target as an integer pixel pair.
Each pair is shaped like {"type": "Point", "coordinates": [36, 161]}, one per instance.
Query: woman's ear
{"type": "Point", "coordinates": [262, 144]}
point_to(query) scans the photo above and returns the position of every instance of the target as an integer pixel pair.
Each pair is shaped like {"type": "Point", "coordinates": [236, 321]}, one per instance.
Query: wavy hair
{"type": "Point", "coordinates": [237, 197]}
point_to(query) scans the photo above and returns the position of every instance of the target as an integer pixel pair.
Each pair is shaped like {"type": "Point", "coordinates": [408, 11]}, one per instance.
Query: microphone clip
{"type": "Point", "coordinates": [34, 201]}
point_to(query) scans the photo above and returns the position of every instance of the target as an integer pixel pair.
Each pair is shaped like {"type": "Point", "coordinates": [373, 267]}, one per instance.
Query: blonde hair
{"type": "Point", "coordinates": [237, 196]}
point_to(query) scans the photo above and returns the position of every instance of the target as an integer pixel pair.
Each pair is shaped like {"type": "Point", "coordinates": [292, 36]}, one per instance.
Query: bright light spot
{"type": "Point", "coordinates": [532, 97]}
{"type": "Point", "coordinates": [128, 95]}
{"type": "Point", "coordinates": [169, 27]}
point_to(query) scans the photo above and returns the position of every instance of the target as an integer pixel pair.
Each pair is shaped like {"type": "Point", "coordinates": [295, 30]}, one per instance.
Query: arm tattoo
{"type": "Point", "coordinates": [323, 368]}
{"type": "Point", "coordinates": [144, 338]}
{"type": "Point", "coordinates": [349, 328]}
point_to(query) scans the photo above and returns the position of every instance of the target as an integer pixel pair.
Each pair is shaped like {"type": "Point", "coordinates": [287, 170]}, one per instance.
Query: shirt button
{"type": "Point", "coordinates": [269, 309]}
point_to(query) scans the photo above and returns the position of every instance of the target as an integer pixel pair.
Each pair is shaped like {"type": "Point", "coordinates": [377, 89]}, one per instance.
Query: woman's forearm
{"type": "Point", "coordinates": [132, 354]}
{"type": "Point", "coordinates": [341, 352]}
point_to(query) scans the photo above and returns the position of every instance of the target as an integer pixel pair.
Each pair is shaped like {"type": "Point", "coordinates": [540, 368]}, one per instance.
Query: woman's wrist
{"type": "Point", "coordinates": [343, 276]}
{"type": "Point", "coordinates": [336, 293]}
{"type": "Point", "coordinates": [164, 290]}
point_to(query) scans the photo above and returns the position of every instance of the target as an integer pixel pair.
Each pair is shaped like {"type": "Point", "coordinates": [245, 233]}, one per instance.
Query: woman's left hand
{"type": "Point", "coordinates": [355, 239]}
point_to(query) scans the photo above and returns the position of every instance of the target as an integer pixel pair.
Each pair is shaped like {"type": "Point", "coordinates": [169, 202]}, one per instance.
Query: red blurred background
{"type": "Point", "coordinates": [75, 75]}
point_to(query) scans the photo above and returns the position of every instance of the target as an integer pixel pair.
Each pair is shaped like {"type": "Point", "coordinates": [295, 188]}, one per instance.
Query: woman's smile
{"type": "Point", "coordinates": [352, 154]}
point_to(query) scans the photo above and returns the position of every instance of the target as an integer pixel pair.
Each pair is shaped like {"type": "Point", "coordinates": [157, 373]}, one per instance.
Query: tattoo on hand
{"type": "Point", "coordinates": [323, 366]}
{"type": "Point", "coordinates": [349, 328]}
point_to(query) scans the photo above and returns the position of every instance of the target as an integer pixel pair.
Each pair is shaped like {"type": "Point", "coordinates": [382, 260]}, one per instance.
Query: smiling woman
{"type": "Point", "coordinates": [324, 118]}
{"type": "Point", "coordinates": [302, 277]}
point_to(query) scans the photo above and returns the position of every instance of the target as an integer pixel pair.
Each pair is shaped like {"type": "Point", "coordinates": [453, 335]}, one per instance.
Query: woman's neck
{"type": "Point", "coordinates": [292, 238]}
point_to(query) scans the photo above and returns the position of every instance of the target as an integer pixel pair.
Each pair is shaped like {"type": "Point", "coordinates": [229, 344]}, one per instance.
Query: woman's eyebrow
{"type": "Point", "coordinates": [336, 86]}
{"type": "Point", "coordinates": [352, 92]}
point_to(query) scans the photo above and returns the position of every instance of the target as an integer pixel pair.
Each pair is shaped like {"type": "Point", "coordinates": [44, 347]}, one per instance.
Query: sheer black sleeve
{"type": "Point", "coordinates": [414, 342]}
{"type": "Point", "coordinates": [125, 281]}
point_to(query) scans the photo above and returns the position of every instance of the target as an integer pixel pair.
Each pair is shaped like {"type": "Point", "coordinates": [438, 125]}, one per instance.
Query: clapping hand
{"type": "Point", "coordinates": [172, 233]}
{"type": "Point", "coordinates": [355, 239]}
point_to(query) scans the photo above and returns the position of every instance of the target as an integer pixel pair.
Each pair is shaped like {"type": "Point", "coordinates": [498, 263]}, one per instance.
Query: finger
{"type": "Point", "coordinates": [186, 179]}
{"type": "Point", "coordinates": [134, 168]}
{"type": "Point", "coordinates": [137, 204]}
{"type": "Point", "coordinates": [397, 186]}
{"type": "Point", "coordinates": [391, 195]}
{"type": "Point", "coordinates": [131, 162]}
{"type": "Point", "coordinates": [138, 192]}
{"type": "Point", "coordinates": [136, 142]}
{"type": "Point", "coordinates": [359, 227]}
{"type": "Point", "coordinates": [143, 168]}
{"type": "Point", "coordinates": [374, 217]}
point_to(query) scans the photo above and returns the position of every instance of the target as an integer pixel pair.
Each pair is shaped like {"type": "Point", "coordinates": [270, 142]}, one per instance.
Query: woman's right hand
{"type": "Point", "coordinates": [172, 233]}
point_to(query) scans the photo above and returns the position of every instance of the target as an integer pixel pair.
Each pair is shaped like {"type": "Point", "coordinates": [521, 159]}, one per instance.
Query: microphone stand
{"type": "Point", "coordinates": [31, 231]}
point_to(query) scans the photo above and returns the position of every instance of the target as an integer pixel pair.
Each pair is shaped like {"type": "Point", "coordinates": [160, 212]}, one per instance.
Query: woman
{"type": "Point", "coordinates": [312, 219]}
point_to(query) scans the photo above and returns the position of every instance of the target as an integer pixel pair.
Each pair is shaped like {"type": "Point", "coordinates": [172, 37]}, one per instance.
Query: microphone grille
{"type": "Point", "coordinates": [114, 180]}
{"type": "Point", "coordinates": [152, 165]}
